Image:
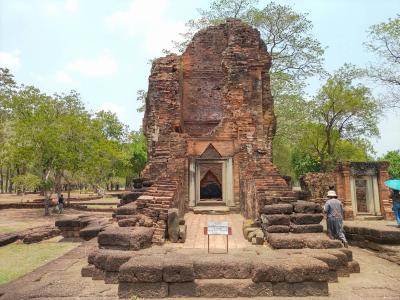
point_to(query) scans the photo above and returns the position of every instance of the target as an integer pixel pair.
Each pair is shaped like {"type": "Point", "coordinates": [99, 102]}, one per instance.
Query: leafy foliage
{"type": "Point", "coordinates": [26, 182]}
{"type": "Point", "coordinates": [384, 41]}
{"type": "Point", "coordinates": [333, 126]}
{"type": "Point", "coordinates": [141, 96]}
{"type": "Point", "coordinates": [304, 162]}
{"type": "Point", "coordinates": [393, 157]}
{"type": "Point", "coordinates": [296, 54]}
{"type": "Point", "coordinates": [54, 141]}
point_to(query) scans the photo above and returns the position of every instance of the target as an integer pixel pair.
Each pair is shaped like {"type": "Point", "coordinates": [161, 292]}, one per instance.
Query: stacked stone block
{"type": "Point", "coordinates": [295, 225]}
{"type": "Point", "coordinates": [84, 226]}
{"type": "Point", "coordinates": [158, 274]}
{"type": "Point", "coordinates": [296, 217]}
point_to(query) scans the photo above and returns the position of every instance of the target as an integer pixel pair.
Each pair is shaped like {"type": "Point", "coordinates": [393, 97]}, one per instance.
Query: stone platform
{"type": "Point", "coordinates": [379, 279]}
{"type": "Point", "coordinates": [255, 271]}
{"type": "Point", "coordinates": [383, 237]}
{"type": "Point", "coordinates": [380, 232]}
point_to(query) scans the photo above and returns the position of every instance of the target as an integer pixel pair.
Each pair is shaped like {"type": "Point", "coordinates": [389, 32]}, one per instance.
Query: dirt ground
{"type": "Point", "coordinates": [14, 198]}
{"type": "Point", "coordinates": [14, 220]}
{"type": "Point", "coordinates": [61, 279]}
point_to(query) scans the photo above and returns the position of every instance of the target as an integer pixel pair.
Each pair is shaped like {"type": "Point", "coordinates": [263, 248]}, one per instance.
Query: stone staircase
{"type": "Point", "coordinates": [289, 223]}
{"type": "Point", "coordinates": [211, 210]}
{"type": "Point", "coordinates": [150, 209]}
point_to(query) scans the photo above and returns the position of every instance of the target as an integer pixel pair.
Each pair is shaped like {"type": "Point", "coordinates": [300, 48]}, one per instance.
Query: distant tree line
{"type": "Point", "coordinates": [52, 143]}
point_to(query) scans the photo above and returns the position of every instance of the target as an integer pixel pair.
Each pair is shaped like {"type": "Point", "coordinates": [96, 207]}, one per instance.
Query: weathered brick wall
{"type": "Point", "coordinates": [217, 92]}
{"type": "Point", "coordinates": [316, 185]}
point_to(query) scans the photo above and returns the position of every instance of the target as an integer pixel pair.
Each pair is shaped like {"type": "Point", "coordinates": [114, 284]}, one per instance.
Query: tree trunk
{"type": "Point", "coordinates": [1, 180]}
{"type": "Point", "coordinates": [126, 183]}
{"type": "Point", "coordinates": [58, 184]}
{"type": "Point", "coordinates": [7, 179]}
{"type": "Point", "coordinates": [46, 194]}
{"type": "Point", "coordinates": [69, 192]}
{"type": "Point", "coordinates": [46, 204]}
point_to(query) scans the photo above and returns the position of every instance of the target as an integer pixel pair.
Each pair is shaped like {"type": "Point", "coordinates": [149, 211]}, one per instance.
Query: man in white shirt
{"type": "Point", "coordinates": [334, 216]}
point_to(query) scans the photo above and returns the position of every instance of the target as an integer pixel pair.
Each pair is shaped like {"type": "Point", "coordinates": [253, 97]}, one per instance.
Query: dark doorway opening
{"type": "Point", "coordinates": [210, 187]}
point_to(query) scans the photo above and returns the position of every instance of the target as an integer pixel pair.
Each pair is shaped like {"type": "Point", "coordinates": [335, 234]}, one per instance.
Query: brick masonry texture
{"type": "Point", "coordinates": [216, 93]}
{"type": "Point", "coordinates": [316, 185]}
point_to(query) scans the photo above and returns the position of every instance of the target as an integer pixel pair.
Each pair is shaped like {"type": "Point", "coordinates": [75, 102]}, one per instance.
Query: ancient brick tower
{"type": "Point", "coordinates": [209, 124]}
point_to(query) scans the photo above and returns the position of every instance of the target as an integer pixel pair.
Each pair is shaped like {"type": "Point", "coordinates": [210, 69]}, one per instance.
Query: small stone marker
{"type": "Point", "coordinates": [217, 228]}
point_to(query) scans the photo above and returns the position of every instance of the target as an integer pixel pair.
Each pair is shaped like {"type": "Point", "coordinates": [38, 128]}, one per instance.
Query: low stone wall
{"type": "Point", "coordinates": [376, 235]}
{"type": "Point", "coordinates": [85, 226]}
{"type": "Point", "coordinates": [384, 242]}
{"type": "Point", "coordinates": [159, 273]}
{"type": "Point", "coordinates": [29, 236]}
{"type": "Point", "coordinates": [21, 205]}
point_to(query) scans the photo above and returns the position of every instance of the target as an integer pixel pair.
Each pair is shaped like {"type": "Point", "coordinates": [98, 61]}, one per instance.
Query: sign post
{"type": "Point", "coordinates": [217, 228]}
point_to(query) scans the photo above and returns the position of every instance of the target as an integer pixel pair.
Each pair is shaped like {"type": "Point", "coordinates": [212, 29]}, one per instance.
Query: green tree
{"type": "Point", "coordinates": [8, 88]}
{"type": "Point", "coordinates": [295, 53]}
{"type": "Point", "coordinates": [384, 42]}
{"type": "Point", "coordinates": [304, 162]}
{"type": "Point", "coordinates": [27, 182]}
{"type": "Point", "coordinates": [138, 153]}
{"type": "Point", "coordinates": [55, 139]}
{"type": "Point", "coordinates": [141, 96]}
{"type": "Point", "coordinates": [342, 116]}
{"type": "Point", "coordinates": [393, 157]}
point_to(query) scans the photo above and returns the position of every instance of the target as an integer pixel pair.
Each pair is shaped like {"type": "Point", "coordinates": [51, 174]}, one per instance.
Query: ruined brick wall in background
{"type": "Point", "coordinates": [316, 185]}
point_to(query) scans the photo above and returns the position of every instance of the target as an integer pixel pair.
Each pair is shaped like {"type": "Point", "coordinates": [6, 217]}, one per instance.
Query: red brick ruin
{"type": "Point", "coordinates": [212, 105]}
{"type": "Point", "coordinates": [359, 185]}
{"type": "Point", "coordinates": [209, 124]}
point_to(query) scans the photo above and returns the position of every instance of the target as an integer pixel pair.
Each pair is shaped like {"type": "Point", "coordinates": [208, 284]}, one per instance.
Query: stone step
{"type": "Point", "coordinates": [211, 203]}
{"type": "Point", "coordinates": [127, 209]}
{"type": "Point", "coordinates": [160, 193]}
{"type": "Point", "coordinates": [126, 238]}
{"type": "Point", "coordinates": [368, 218]}
{"type": "Point", "coordinates": [301, 240]}
{"type": "Point", "coordinates": [211, 210]}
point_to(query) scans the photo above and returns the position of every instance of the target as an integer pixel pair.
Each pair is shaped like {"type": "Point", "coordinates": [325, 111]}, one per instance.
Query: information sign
{"type": "Point", "coordinates": [217, 228]}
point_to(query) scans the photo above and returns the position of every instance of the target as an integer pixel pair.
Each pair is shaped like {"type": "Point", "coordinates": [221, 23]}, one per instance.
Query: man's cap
{"type": "Point", "coordinates": [332, 194]}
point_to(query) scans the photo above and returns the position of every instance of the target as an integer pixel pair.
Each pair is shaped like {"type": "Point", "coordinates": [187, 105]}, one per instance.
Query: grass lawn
{"type": "Point", "coordinates": [18, 259]}
{"type": "Point", "coordinates": [9, 229]}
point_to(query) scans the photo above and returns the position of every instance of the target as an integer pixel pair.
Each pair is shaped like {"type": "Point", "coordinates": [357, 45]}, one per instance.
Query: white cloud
{"type": "Point", "coordinates": [147, 20]}
{"type": "Point", "coordinates": [101, 65]}
{"type": "Point", "coordinates": [10, 60]}
{"type": "Point", "coordinates": [63, 76]}
{"type": "Point", "coordinates": [55, 8]}
{"type": "Point", "coordinates": [71, 5]}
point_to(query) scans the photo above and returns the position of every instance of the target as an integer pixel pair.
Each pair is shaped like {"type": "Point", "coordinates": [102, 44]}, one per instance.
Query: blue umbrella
{"type": "Point", "coordinates": [393, 184]}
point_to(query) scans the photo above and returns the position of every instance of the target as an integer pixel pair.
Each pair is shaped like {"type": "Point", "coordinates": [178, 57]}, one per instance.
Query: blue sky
{"type": "Point", "coordinates": [102, 48]}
